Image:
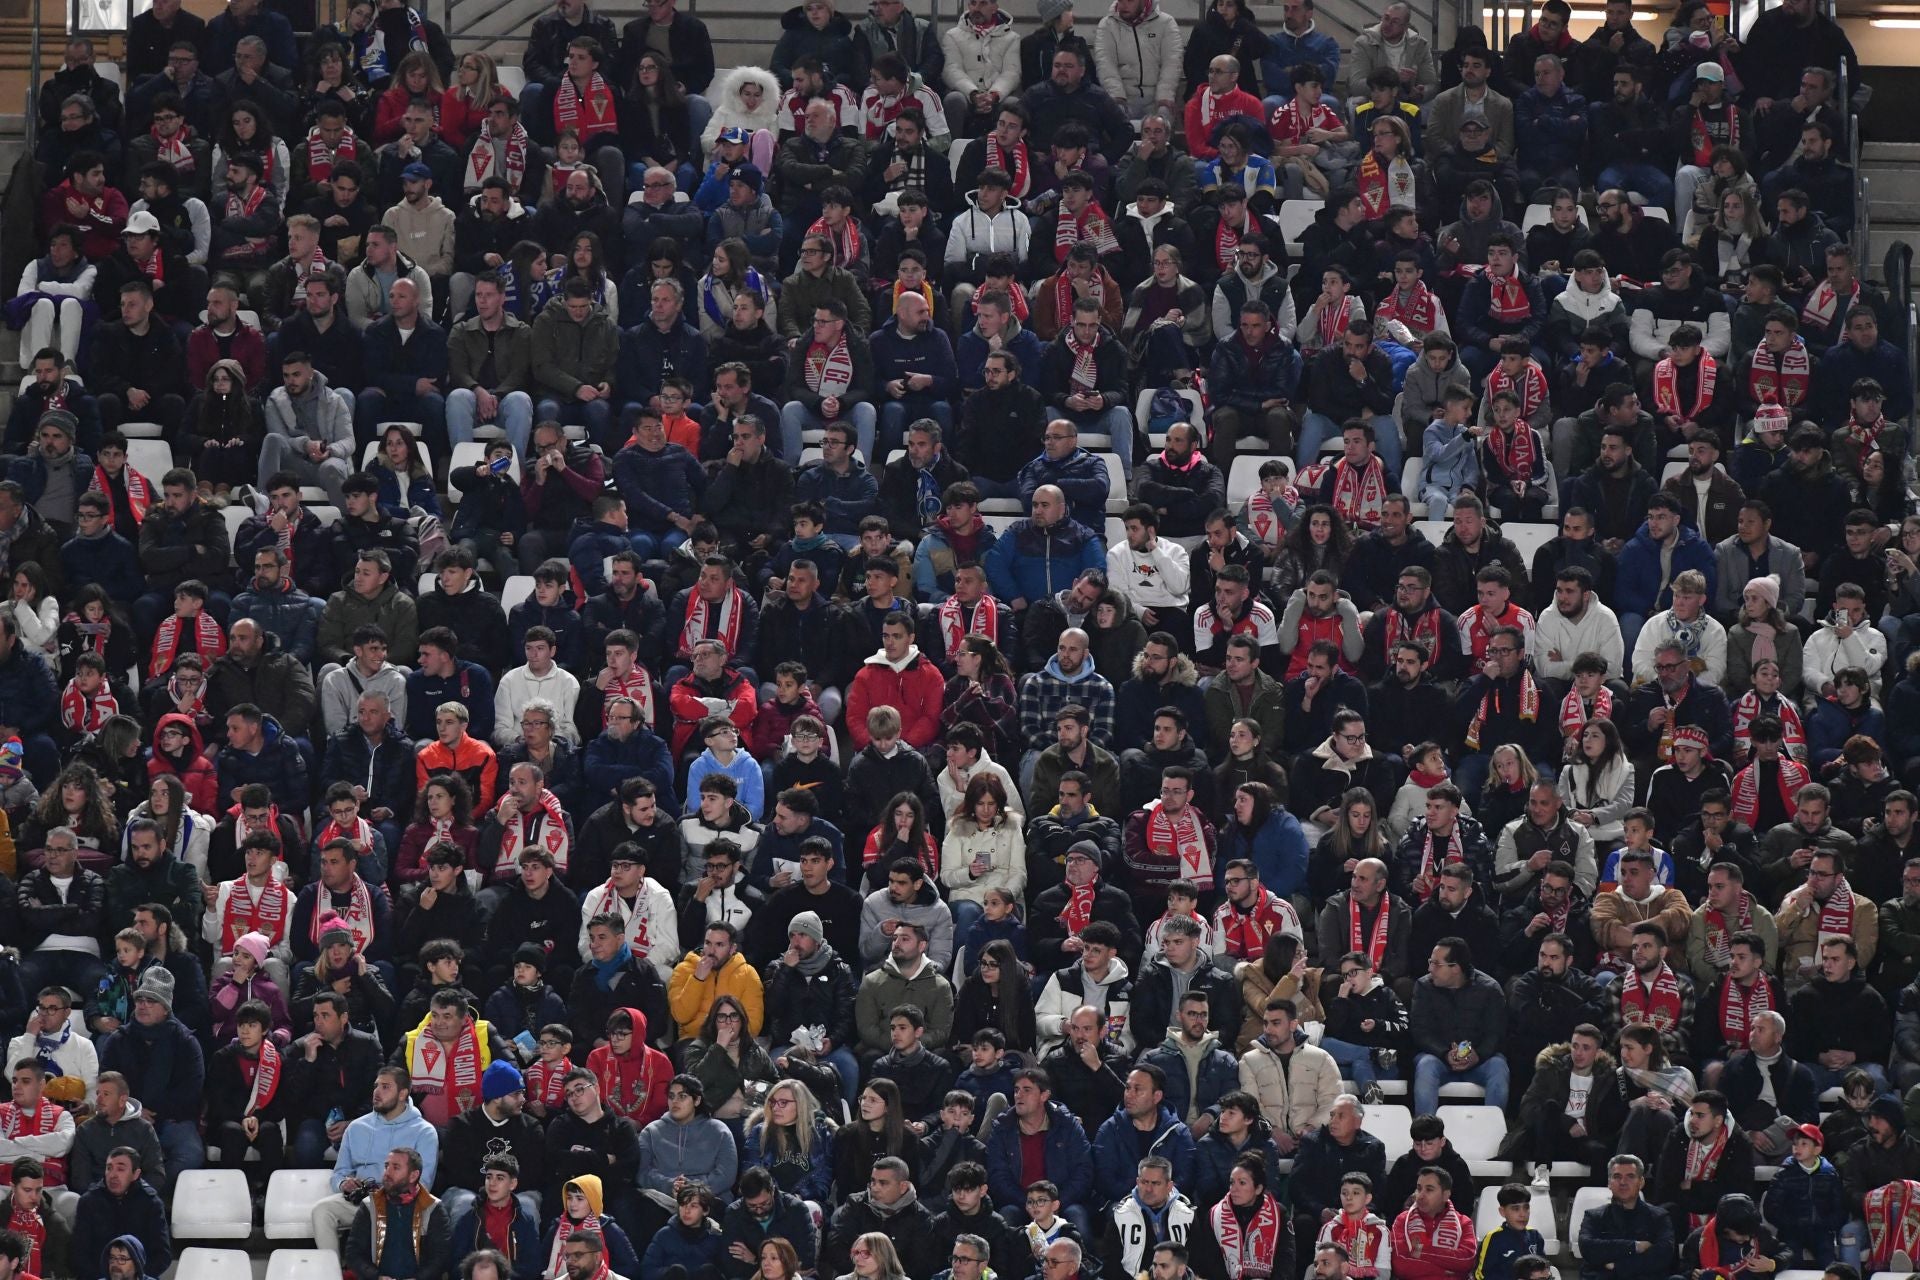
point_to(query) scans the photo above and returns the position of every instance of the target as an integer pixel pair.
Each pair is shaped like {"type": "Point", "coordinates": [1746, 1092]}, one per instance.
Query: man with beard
{"type": "Point", "coordinates": [1725, 1016]}
{"type": "Point", "coordinates": [1567, 1077]}
{"type": "Point", "coordinates": [1528, 847]}
{"type": "Point", "coordinates": [1822, 904]}
{"type": "Point", "coordinates": [1405, 705]}
{"type": "Point", "coordinates": [1837, 1021]}
{"type": "Point", "coordinates": [1162, 677]}
{"type": "Point", "coordinates": [1553, 993]}
{"type": "Point", "coordinates": [402, 1229]}
{"type": "Point", "coordinates": [1413, 616]}
{"type": "Point", "coordinates": [1441, 838]}
{"type": "Point", "coordinates": [1650, 991]}
{"type": "Point", "coordinates": [1457, 910]}
{"type": "Point", "coordinates": [1708, 1159]}
{"type": "Point", "coordinates": [52, 391]}
{"type": "Point", "coordinates": [1371, 920]}
{"type": "Point", "coordinates": [1728, 911]}
{"type": "Point", "coordinates": [1675, 700]}
{"type": "Point", "coordinates": [1381, 559]}
{"type": "Point", "coordinates": [1575, 625]}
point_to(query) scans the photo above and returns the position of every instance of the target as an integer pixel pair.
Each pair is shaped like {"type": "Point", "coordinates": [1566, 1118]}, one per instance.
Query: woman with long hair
{"type": "Point", "coordinates": [1356, 833]}
{"type": "Point", "coordinates": [444, 811]}
{"type": "Point", "coordinates": [250, 129]}
{"type": "Point", "coordinates": [1248, 1234]}
{"type": "Point", "coordinates": [1596, 787]}
{"type": "Point", "coordinates": [1510, 776]}
{"type": "Point", "coordinates": [36, 614]}
{"type": "Point", "coordinates": [1247, 761]}
{"type": "Point", "coordinates": [183, 833]}
{"type": "Point", "coordinates": [1648, 1100]}
{"type": "Point", "coordinates": [874, 1258]}
{"type": "Point", "coordinates": [902, 832]}
{"type": "Point", "coordinates": [329, 75]}
{"type": "Point", "coordinates": [789, 1137]}
{"type": "Point", "coordinates": [996, 994]}
{"type": "Point", "coordinates": [730, 273]}
{"type": "Point", "coordinates": [779, 1260]}
{"type": "Point", "coordinates": [526, 281]}
{"type": "Point", "coordinates": [1259, 828]}
{"type": "Point", "coordinates": [464, 103]}
{"type": "Point", "coordinates": [93, 626]}
{"type": "Point", "coordinates": [406, 481]}
{"type": "Point", "coordinates": [417, 77]}
{"type": "Point", "coordinates": [655, 127]}
{"type": "Point", "coordinates": [729, 1061]}
{"type": "Point", "coordinates": [984, 850]}
{"type": "Point", "coordinates": [1319, 541]}
{"type": "Point", "coordinates": [1881, 487]}
{"type": "Point", "coordinates": [1388, 177]}
{"type": "Point", "coordinates": [981, 692]}
{"type": "Point", "coordinates": [370, 1005]}
{"type": "Point", "coordinates": [117, 755]}
{"type": "Point", "coordinates": [587, 259]}
{"type": "Point", "coordinates": [1761, 629]}
{"type": "Point", "coordinates": [879, 1128]}
{"type": "Point", "coordinates": [1281, 971]}
{"type": "Point", "coordinates": [1733, 241]}
{"type": "Point", "coordinates": [223, 433]}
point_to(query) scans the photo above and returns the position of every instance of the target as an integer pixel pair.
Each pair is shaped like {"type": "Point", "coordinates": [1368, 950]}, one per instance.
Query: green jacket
{"type": "Point", "coordinates": [884, 989]}
{"type": "Point", "coordinates": [802, 292]}
{"type": "Point", "coordinates": [1268, 708]}
{"type": "Point", "coordinates": [567, 354]}
{"type": "Point", "coordinates": [512, 355]}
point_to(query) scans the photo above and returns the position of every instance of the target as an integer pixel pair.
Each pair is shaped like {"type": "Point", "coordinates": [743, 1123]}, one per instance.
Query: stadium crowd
{"type": "Point", "coordinates": [496, 757]}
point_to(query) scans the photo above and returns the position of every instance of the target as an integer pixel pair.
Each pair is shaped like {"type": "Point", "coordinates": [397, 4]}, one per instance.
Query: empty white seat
{"type": "Point", "coordinates": [1411, 474]}
{"type": "Point", "coordinates": [1243, 481]}
{"type": "Point", "coordinates": [1002, 507]}
{"type": "Point", "coordinates": [515, 589]}
{"type": "Point", "coordinates": [1798, 1275]}
{"type": "Point", "coordinates": [235, 516]}
{"type": "Point", "coordinates": [312, 493]}
{"type": "Point", "coordinates": [511, 78]}
{"type": "Point", "coordinates": [1143, 412]}
{"type": "Point", "coordinates": [1528, 538]}
{"type": "Point", "coordinates": [417, 428]}
{"type": "Point", "coordinates": [1434, 529]}
{"type": "Point", "coordinates": [1570, 1169]}
{"type": "Point", "coordinates": [303, 1264]}
{"type": "Point", "coordinates": [1295, 217]}
{"type": "Point", "coordinates": [1475, 1133]}
{"type": "Point", "coordinates": [108, 69]}
{"type": "Point", "coordinates": [1115, 531]}
{"type": "Point", "coordinates": [1391, 1124]}
{"type": "Point", "coordinates": [291, 1195]}
{"type": "Point", "coordinates": [998, 521]}
{"type": "Point", "coordinates": [428, 580]}
{"type": "Point", "coordinates": [1486, 1215]}
{"type": "Point", "coordinates": [1117, 498]}
{"type": "Point", "coordinates": [212, 1204]}
{"type": "Point", "coordinates": [1766, 1172]}
{"type": "Point", "coordinates": [151, 458]}
{"type": "Point", "coordinates": [327, 514]}
{"type": "Point", "coordinates": [214, 1264]}
{"type": "Point", "coordinates": [1584, 1199]}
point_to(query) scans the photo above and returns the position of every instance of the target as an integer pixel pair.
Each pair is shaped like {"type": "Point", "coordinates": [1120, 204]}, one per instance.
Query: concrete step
{"type": "Point", "coordinates": [1872, 153]}
{"type": "Point", "coordinates": [1882, 235]}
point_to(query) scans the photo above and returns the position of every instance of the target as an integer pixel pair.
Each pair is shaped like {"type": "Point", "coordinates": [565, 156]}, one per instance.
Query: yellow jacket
{"type": "Point", "coordinates": [690, 998]}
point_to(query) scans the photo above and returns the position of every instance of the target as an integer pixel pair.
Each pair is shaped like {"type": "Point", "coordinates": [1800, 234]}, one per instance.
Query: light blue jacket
{"type": "Point", "coordinates": [746, 775]}
{"type": "Point", "coordinates": [1453, 462]}
{"type": "Point", "coordinates": [364, 1146]}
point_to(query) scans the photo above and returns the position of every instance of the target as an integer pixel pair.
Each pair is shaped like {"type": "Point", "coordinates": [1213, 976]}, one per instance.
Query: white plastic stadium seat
{"type": "Point", "coordinates": [1463, 1089]}
{"type": "Point", "coordinates": [428, 580]}
{"type": "Point", "coordinates": [1584, 1199]}
{"type": "Point", "coordinates": [1295, 217]}
{"type": "Point", "coordinates": [1434, 529]}
{"type": "Point", "coordinates": [214, 1264]}
{"type": "Point", "coordinates": [1391, 1124]}
{"type": "Point", "coordinates": [1142, 411]}
{"type": "Point", "coordinates": [511, 78]}
{"type": "Point", "coordinates": [303, 1264]}
{"type": "Point", "coordinates": [235, 516]}
{"type": "Point", "coordinates": [151, 458]}
{"type": "Point", "coordinates": [1798, 1275]}
{"type": "Point", "coordinates": [1527, 539]}
{"type": "Point", "coordinates": [291, 1195]}
{"type": "Point", "coordinates": [1411, 474]}
{"type": "Point", "coordinates": [515, 589]}
{"type": "Point", "coordinates": [373, 447]}
{"type": "Point", "coordinates": [1115, 531]}
{"type": "Point", "coordinates": [1475, 1133]}
{"type": "Point", "coordinates": [312, 493]}
{"type": "Point", "coordinates": [108, 69]}
{"type": "Point", "coordinates": [1487, 1214]}
{"type": "Point", "coordinates": [212, 1204]}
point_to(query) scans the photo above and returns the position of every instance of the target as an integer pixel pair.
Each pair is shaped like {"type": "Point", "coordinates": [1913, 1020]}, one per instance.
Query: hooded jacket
{"type": "Point", "coordinates": [886, 988]}
{"type": "Point", "coordinates": [1197, 1074]}
{"type": "Point", "coordinates": [1139, 62]}
{"type": "Point", "coordinates": [976, 234]}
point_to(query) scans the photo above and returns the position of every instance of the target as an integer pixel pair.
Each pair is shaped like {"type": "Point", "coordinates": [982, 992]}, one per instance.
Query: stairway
{"type": "Point", "coordinates": [1892, 170]}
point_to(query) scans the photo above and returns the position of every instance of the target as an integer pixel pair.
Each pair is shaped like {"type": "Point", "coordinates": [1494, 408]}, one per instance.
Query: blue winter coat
{"type": "Point", "coordinates": [1830, 725]}
{"type": "Point", "coordinates": [278, 764]}
{"type": "Point", "coordinates": [658, 485]}
{"type": "Point", "coordinates": [611, 762]}
{"type": "Point", "coordinates": [647, 356]}
{"type": "Point", "coordinates": [562, 619]}
{"type": "Point", "coordinates": [27, 692]}
{"type": "Point", "coordinates": [512, 1017]}
{"type": "Point", "coordinates": [846, 497]}
{"type": "Point", "coordinates": [1636, 582]}
{"type": "Point", "coordinates": [1278, 850]}
{"type": "Point", "coordinates": [1118, 1148]}
{"type": "Point", "coordinates": [1069, 1164]}
{"type": "Point", "coordinates": [971, 356]}
{"type": "Point", "coordinates": [1285, 51]}
{"type": "Point", "coordinates": [103, 1219]}
{"type": "Point", "coordinates": [394, 366]}
{"type": "Point", "coordinates": [1219, 1074]}
{"type": "Point", "coordinates": [589, 544]}
{"type": "Point", "coordinates": [1551, 132]}
{"type": "Point", "coordinates": [675, 1245]}
{"type": "Point", "coordinates": [896, 356]}
{"type": "Point", "coordinates": [1082, 476]}
{"type": "Point", "coordinates": [289, 613]}
{"type": "Point", "coordinates": [1801, 1205]}
{"type": "Point", "coordinates": [1030, 563]}
{"type": "Point", "coordinates": [109, 560]}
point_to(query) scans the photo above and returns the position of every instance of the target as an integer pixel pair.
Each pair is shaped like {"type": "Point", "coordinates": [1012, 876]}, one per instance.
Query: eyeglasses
{"type": "Point", "coordinates": [1235, 880]}
{"type": "Point", "coordinates": [963, 1257]}
{"type": "Point", "coordinates": [1668, 666]}
{"type": "Point", "coordinates": [551, 1043]}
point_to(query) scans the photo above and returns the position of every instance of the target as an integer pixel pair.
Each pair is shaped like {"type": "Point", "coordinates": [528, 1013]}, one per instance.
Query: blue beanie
{"type": "Point", "coordinates": [501, 1079]}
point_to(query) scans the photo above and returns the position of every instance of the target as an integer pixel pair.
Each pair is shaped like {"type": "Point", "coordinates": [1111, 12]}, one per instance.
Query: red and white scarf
{"type": "Point", "coordinates": [155, 269]}
{"type": "Point", "coordinates": [547, 1082]}
{"type": "Point", "coordinates": [1424, 630]}
{"type": "Point", "coordinates": [1658, 1006]}
{"type": "Point", "coordinates": [508, 161]}
{"type": "Point", "coordinates": [1531, 387]}
{"type": "Point", "coordinates": [985, 622]}
{"type": "Point", "coordinates": [1091, 223]}
{"type": "Point", "coordinates": [31, 1226]}
{"type": "Point", "coordinates": [1384, 187]}
{"type": "Point", "coordinates": [1226, 239]}
{"type": "Point", "coordinates": [1078, 913]}
{"type": "Point", "coordinates": [1719, 931]}
{"type": "Point", "coordinates": [1750, 707]}
{"type": "Point", "coordinates": [1893, 1222]}
{"type": "Point", "coordinates": [1507, 300]}
{"type": "Point", "coordinates": [1789, 778]}
{"type": "Point", "coordinates": [1786, 377]}
{"type": "Point", "coordinates": [1248, 1254]}
{"type": "Point", "coordinates": [1514, 450]}
{"type": "Point", "coordinates": [1453, 853]}
{"type": "Point", "coordinates": [1374, 943]}
{"type": "Point", "coordinates": [1086, 370]}
{"type": "Point", "coordinates": [829, 370]}
{"type": "Point", "coordinates": [263, 1078]}
{"type": "Point", "coordinates": [1739, 1006]}
{"type": "Point", "coordinates": [1333, 321]}
{"type": "Point", "coordinates": [358, 916]}
{"type": "Point", "coordinates": [1666, 388]}
{"type": "Point", "coordinates": [455, 1072]}
{"type": "Point", "coordinates": [1490, 700]}
{"type": "Point", "coordinates": [1836, 914]}
{"type": "Point", "coordinates": [1359, 493]}
{"type": "Point", "coordinates": [248, 910]}
{"type": "Point", "coordinates": [1702, 136]}
{"type": "Point", "coordinates": [845, 241]}
{"type": "Point", "coordinates": [556, 1264]}
{"type": "Point", "coordinates": [209, 641]}
{"type": "Point", "coordinates": [321, 158]}
{"type": "Point", "coordinates": [1574, 712]}
{"type": "Point", "coordinates": [1185, 838]}
{"type": "Point", "coordinates": [514, 835]}
{"type": "Point", "coordinates": [607, 901]}
{"type": "Point", "coordinates": [589, 114]}
{"type": "Point", "coordinates": [1014, 161]}
{"type": "Point", "coordinates": [1823, 306]}
{"type": "Point", "coordinates": [38, 1123]}
{"type": "Point", "coordinates": [1703, 1165]}
{"type": "Point", "coordinates": [361, 835]}
{"type": "Point", "coordinates": [727, 616]}
{"type": "Point", "coordinates": [246, 206]}
{"type": "Point", "coordinates": [1267, 527]}
{"type": "Point", "coordinates": [140, 493]}
{"type": "Point", "coordinates": [1417, 308]}
{"type": "Point", "coordinates": [1361, 1237]}
{"type": "Point", "coordinates": [636, 684]}
{"type": "Point", "coordinates": [85, 713]}
{"type": "Point", "coordinates": [175, 150]}
{"type": "Point", "coordinates": [1064, 294]}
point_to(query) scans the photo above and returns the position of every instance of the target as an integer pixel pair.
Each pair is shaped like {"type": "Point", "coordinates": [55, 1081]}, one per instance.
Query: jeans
{"type": "Point", "coordinates": [181, 1145]}
{"type": "Point", "coordinates": [964, 914]}
{"type": "Point", "coordinates": [514, 416]}
{"type": "Point", "coordinates": [376, 406]}
{"type": "Point", "coordinates": [1317, 428]}
{"type": "Point", "coordinates": [1116, 424]}
{"type": "Point", "coordinates": [1356, 1061]}
{"type": "Point", "coordinates": [1429, 1073]}
{"type": "Point", "coordinates": [841, 1059]}
{"type": "Point", "coordinates": [1630, 625]}
{"type": "Point", "coordinates": [1647, 179]}
{"type": "Point", "coordinates": [1824, 1079]}
{"type": "Point", "coordinates": [308, 1147]}
{"type": "Point", "coordinates": [650, 546]}
{"type": "Point", "coordinates": [796, 418]}
{"type": "Point", "coordinates": [595, 415]}
{"type": "Point", "coordinates": [1818, 1250]}
{"type": "Point", "coordinates": [896, 414]}
{"type": "Point", "coordinates": [1853, 1243]}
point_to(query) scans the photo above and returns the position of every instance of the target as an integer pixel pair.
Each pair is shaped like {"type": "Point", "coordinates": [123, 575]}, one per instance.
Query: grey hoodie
{"type": "Point", "coordinates": [1474, 235]}
{"type": "Point", "coordinates": [926, 910]}
{"type": "Point", "coordinates": [701, 1150]}
{"type": "Point", "coordinates": [1420, 395]}
{"type": "Point", "coordinates": [319, 414]}
{"type": "Point", "coordinates": [93, 1140]}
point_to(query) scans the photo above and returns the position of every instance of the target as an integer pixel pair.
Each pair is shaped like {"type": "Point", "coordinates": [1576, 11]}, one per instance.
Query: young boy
{"type": "Point", "coordinates": [491, 516]}
{"type": "Point", "coordinates": [547, 1075]}
{"type": "Point", "coordinates": [1765, 284]}
{"type": "Point", "coordinates": [950, 1154]}
{"type": "Point", "coordinates": [89, 698]}
{"type": "Point", "coordinates": [1589, 698]}
{"type": "Point", "coordinates": [549, 606]}
{"type": "Point", "coordinates": [1587, 301]}
{"type": "Point", "coordinates": [1357, 1229]}
{"type": "Point", "coordinates": [723, 756]}
{"type": "Point", "coordinates": [1274, 508]}
{"type": "Point", "coordinates": [808, 767]}
{"type": "Point", "coordinates": [676, 397]}
{"type": "Point", "coordinates": [189, 629]}
{"type": "Point", "coordinates": [1521, 374]}
{"type": "Point", "coordinates": [1410, 303]}
{"type": "Point", "coordinates": [1513, 1238]}
{"type": "Point", "coordinates": [344, 820]}
{"type": "Point", "coordinates": [1637, 832]}
{"type": "Point", "coordinates": [809, 542]}
{"type": "Point", "coordinates": [1805, 1201]}
{"type": "Point", "coordinates": [131, 493]}
{"type": "Point", "coordinates": [1867, 429]}
{"type": "Point", "coordinates": [1451, 446]}
{"type": "Point", "coordinates": [876, 542]}
{"type": "Point", "coordinates": [1044, 1222]}
{"type": "Point", "coordinates": [990, 1072]}
{"type": "Point", "coordinates": [775, 719]}
{"type": "Point", "coordinates": [1327, 318]}
{"type": "Point", "coordinates": [111, 1005]}
{"type": "Point", "coordinates": [1513, 460]}
{"type": "Point", "coordinates": [1765, 787]}
{"type": "Point", "coordinates": [1304, 131]}
{"type": "Point", "coordinates": [1183, 899]}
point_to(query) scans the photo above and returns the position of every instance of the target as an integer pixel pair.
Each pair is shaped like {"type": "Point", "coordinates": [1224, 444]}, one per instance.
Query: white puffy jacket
{"type": "Point", "coordinates": [979, 59]}
{"type": "Point", "coordinates": [1139, 62]}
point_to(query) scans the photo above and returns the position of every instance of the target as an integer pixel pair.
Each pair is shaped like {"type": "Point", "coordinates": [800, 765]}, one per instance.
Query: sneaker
{"type": "Point", "coordinates": [1373, 1096]}
{"type": "Point", "coordinates": [1540, 1179]}
{"type": "Point", "coordinates": [1900, 1261]}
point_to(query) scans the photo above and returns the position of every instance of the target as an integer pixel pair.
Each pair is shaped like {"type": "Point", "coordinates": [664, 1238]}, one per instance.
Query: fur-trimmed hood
{"type": "Point", "coordinates": [729, 112]}
{"type": "Point", "coordinates": [1180, 672]}
{"type": "Point", "coordinates": [1561, 1056]}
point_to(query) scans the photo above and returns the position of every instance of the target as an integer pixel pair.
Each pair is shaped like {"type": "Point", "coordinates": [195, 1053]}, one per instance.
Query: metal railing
{"type": "Point", "coordinates": [33, 83]}
{"type": "Point", "coordinates": [1897, 269]}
